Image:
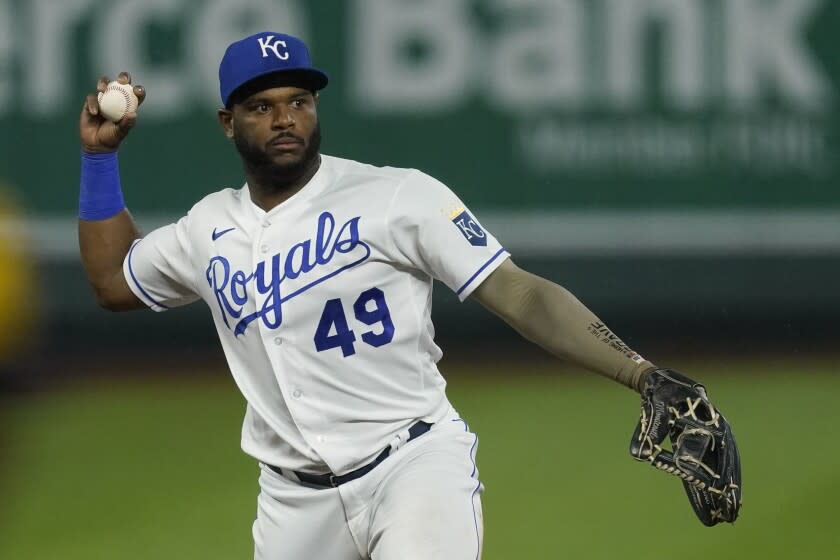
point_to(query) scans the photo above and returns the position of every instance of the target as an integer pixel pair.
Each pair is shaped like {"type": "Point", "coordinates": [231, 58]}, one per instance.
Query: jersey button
{"type": "Point", "coordinates": [266, 223]}
{"type": "Point", "coordinates": [278, 341]}
{"type": "Point", "coordinates": [297, 393]}
{"type": "Point", "coordinates": [263, 248]}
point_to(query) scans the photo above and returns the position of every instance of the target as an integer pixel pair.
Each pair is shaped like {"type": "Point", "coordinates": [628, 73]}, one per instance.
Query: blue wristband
{"type": "Point", "coordinates": [100, 195]}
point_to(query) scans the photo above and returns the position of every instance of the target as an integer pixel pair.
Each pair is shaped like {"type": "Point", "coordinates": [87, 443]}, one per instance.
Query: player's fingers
{"type": "Point", "coordinates": [91, 106]}
{"type": "Point", "coordinates": [125, 124]}
{"type": "Point", "coordinates": [140, 92]}
{"type": "Point", "coordinates": [124, 78]}
{"type": "Point", "coordinates": [102, 83]}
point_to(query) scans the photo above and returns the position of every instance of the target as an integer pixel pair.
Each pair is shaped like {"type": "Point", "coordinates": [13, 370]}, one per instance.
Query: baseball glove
{"type": "Point", "coordinates": [703, 450]}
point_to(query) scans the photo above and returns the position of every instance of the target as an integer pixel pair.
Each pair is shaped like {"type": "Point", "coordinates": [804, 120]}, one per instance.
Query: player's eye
{"type": "Point", "coordinates": [260, 107]}
{"type": "Point", "coordinates": [298, 103]}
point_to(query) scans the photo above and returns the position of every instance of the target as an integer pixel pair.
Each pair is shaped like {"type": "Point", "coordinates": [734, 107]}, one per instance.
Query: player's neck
{"type": "Point", "coordinates": [268, 190]}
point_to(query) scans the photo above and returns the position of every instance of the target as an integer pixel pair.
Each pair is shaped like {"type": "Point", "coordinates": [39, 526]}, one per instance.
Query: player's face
{"type": "Point", "coordinates": [276, 132]}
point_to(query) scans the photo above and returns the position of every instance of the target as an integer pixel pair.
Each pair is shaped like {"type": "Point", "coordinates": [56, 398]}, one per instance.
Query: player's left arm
{"type": "Point", "coordinates": [552, 317]}
{"type": "Point", "coordinates": [703, 449]}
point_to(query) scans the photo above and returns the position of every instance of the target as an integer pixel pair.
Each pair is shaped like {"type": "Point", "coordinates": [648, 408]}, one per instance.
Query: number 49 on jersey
{"type": "Point", "coordinates": [369, 308]}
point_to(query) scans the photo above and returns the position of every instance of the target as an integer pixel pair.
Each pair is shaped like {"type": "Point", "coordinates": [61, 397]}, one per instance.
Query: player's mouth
{"type": "Point", "coordinates": [286, 143]}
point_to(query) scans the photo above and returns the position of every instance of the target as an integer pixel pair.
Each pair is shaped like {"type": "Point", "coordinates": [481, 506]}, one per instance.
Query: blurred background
{"type": "Point", "coordinates": [672, 163]}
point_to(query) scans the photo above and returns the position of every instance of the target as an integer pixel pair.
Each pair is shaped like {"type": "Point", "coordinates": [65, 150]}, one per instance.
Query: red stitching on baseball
{"type": "Point", "coordinates": [124, 94]}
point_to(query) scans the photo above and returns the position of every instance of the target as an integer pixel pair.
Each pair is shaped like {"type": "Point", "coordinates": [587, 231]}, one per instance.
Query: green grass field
{"type": "Point", "coordinates": [140, 469]}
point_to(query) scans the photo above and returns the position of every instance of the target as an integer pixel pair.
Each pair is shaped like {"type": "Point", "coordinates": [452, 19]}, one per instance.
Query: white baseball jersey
{"type": "Point", "coordinates": [323, 304]}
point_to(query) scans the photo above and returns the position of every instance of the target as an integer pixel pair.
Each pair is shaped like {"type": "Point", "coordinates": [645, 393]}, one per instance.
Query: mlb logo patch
{"type": "Point", "coordinates": [470, 229]}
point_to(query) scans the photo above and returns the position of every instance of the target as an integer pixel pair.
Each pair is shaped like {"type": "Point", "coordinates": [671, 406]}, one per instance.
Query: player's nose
{"type": "Point", "coordinates": [283, 118]}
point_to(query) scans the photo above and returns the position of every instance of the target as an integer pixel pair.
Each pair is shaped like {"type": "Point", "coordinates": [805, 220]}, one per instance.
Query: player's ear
{"type": "Point", "coordinates": [226, 120]}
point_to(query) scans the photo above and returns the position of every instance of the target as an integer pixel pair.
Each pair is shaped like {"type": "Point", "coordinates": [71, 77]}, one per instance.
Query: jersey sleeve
{"type": "Point", "coordinates": [159, 270]}
{"type": "Point", "coordinates": [435, 232]}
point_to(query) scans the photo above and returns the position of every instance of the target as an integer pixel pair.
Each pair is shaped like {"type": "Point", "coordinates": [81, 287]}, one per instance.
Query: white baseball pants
{"type": "Point", "coordinates": [423, 502]}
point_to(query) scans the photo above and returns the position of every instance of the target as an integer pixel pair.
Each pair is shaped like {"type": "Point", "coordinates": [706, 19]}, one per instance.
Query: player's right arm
{"type": "Point", "coordinates": [106, 231]}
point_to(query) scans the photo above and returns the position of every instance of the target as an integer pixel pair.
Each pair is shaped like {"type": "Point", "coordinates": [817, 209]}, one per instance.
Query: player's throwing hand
{"type": "Point", "coordinates": [96, 133]}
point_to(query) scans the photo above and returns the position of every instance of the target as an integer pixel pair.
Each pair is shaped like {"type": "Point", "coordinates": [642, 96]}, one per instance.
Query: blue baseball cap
{"type": "Point", "coordinates": [268, 53]}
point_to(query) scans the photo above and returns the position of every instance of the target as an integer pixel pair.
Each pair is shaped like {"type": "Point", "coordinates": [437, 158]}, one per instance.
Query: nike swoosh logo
{"type": "Point", "coordinates": [218, 234]}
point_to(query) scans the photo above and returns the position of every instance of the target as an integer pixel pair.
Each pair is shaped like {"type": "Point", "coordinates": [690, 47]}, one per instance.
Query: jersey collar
{"type": "Point", "coordinates": [310, 190]}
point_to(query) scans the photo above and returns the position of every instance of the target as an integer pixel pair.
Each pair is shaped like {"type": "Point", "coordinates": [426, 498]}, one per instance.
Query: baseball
{"type": "Point", "coordinates": [116, 101]}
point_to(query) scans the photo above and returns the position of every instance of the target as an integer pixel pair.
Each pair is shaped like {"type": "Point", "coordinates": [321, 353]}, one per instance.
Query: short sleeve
{"type": "Point", "coordinates": [159, 270]}
{"type": "Point", "coordinates": [435, 232]}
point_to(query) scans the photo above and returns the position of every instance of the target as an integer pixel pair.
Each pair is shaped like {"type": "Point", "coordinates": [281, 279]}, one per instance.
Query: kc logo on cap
{"type": "Point", "coordinates": [266, 45]}
{"type": "Point", "coordinates": [267, 53]}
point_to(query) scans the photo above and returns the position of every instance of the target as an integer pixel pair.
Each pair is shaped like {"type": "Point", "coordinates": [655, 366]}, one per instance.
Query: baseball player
{"type": "Point", "coordinates": [318, 272]}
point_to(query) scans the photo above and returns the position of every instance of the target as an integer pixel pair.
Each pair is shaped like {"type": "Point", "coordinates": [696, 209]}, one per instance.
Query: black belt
{"type": "Point", "coordinates": [332, 480]}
